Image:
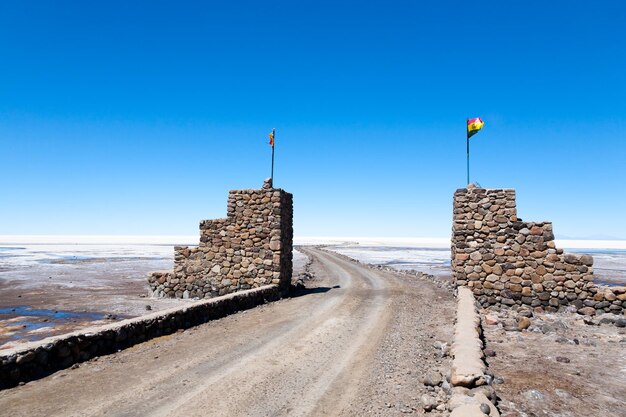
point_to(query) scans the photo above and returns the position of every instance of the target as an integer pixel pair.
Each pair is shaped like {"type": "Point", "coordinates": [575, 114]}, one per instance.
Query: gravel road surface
{"type": "Point", "coordinates": [356, 342]}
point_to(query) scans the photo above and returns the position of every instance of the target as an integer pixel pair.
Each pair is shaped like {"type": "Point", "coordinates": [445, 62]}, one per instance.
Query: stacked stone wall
{"type": "Point", "coordinates": [506, 261]}
{"type": "Point", "coordinates": [250, 248]}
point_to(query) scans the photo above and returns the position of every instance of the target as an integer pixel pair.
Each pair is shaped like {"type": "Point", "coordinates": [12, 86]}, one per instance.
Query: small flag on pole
{"type": "Point", "coordinates": [473, 126]}
{"type": "Point", "coordinates": [271, 135]}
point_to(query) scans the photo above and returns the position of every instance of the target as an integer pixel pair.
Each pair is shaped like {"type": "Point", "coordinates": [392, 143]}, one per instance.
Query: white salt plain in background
{"type": "Point", "coordinates": [88, 261]}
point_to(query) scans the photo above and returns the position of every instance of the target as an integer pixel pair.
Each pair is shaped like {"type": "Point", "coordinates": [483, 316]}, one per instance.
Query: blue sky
{"type": "Point", "coordinates": [123, 117]}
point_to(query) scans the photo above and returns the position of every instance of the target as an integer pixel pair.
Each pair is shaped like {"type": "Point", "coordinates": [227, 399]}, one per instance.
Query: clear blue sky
{"type": "Point", "coordinates": [137, 117]}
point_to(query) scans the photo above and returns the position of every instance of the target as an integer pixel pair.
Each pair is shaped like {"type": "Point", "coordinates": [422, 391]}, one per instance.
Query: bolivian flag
{"type": "Point", "coordinates": [473, 126]}
{"type": "Point", "coordinates": [272, 139]}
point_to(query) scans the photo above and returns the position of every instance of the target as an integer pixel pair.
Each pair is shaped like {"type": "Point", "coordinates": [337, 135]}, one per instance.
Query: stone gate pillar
{"type": "Point", "coordinates": [506, 261]}
{"type": "Point", "coordinates": [250, 248]}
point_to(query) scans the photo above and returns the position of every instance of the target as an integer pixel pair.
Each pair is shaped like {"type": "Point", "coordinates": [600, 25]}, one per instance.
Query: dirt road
{"type": "Point", "coordinates": [358, 342]}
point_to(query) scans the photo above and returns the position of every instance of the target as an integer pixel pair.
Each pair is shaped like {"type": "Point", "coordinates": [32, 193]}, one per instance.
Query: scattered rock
{"type": "Point", "coordinates": [428, 403]}
{"type": "Point", "coordinates": [433, 379]}
{"type": "Point", "coordinates": [534, 394]}
{"type": "Point", "coordinates": [446, 387]}
{"type": "Point", "coordinates": [523, 323]}
{"type": "Point", "coordinates": [444, 349]}
{"type": "Point", "coordinates": [510, 325]}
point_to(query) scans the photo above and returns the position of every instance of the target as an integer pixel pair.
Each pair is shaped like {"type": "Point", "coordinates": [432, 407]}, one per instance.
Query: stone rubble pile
{"type": "Point", "coordinates": [506, 261]}
{"type": "Point", "coordinates": [250, 248]}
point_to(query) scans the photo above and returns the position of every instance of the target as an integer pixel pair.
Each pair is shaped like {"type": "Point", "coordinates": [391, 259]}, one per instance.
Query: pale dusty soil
{"type": "Point", "coordinates": [537, 384]}
{"type": "Point", "coordinates": [356, 342]}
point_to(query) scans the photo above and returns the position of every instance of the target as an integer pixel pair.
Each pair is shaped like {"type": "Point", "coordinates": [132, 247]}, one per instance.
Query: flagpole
{"type": "Point", "coordinates": [468, 153]}
{"type": "Point", "coordinates": [273, 144]}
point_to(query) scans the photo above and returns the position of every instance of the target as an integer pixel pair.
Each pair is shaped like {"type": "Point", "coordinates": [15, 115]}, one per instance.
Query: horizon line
{"type": "Point", "coordinates": [189, 240]}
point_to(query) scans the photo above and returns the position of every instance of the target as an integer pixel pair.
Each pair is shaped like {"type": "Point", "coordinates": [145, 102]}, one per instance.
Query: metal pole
{"type": "Point", "coordinates": [273, 144]}
{"type": "Point", "coordinates": [468, 159]}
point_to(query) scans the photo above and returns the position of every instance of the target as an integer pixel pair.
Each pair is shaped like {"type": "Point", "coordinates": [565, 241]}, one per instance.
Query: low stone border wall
{"type": "Point", "coordinates": [39, 359]}
{"type": "Point", "coordinates": [472, 396]}
{"type": "Point", "coordinates": [468, 367]}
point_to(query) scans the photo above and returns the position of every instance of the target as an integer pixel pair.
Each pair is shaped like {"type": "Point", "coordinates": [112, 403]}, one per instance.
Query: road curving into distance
{"type": "Point", "coordinates": [355, 343]}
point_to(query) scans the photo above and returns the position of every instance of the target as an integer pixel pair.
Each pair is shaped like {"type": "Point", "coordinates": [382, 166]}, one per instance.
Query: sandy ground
{"type": "Point", "coordinates": [356, 342]}
{"type": "Point", "coordinates": [559, 367]}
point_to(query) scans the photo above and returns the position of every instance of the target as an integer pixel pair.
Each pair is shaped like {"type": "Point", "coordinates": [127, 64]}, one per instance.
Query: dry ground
{"type": "Point", "coordinates": [560, 367]}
